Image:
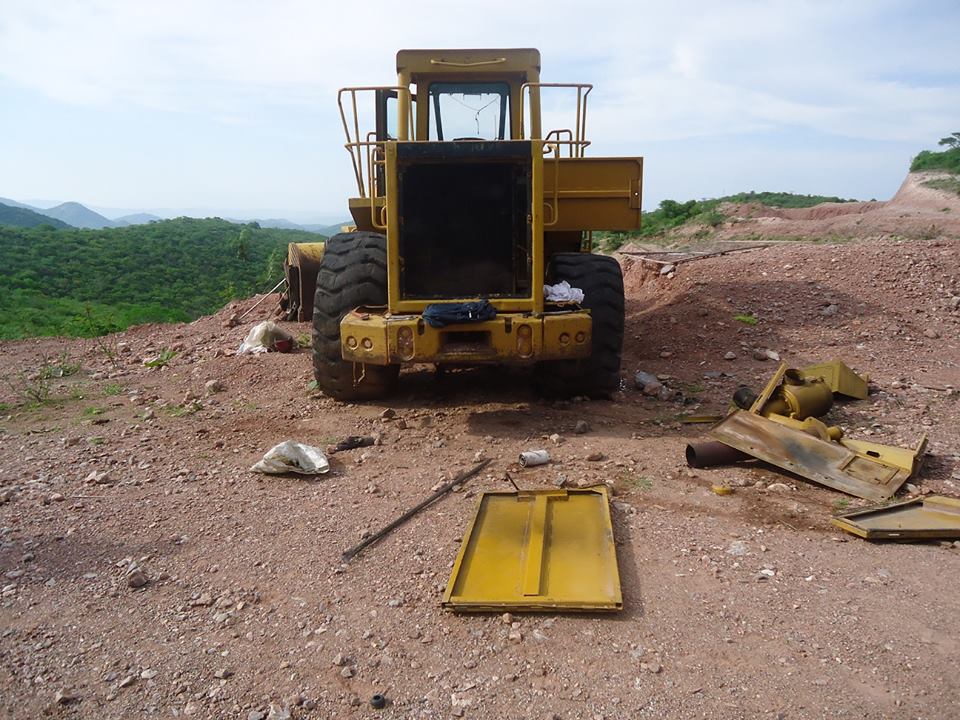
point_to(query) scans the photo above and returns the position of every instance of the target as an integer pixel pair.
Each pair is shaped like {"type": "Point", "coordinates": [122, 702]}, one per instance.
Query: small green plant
{"type": "Point", "coordinates": [312, 386]}
{"type": "Point", "coordinates": [182, 410]}
{"type": "Point", "coordinates": [93, 411]}
{"type": "Point", "coordinates": [60, 368]}
{"type": "Point", "coordinates": [629, 482]}
{"type": "Point", "coordinates": [304, 341]}
{"type": "Point", "coordinates": [96, 440]}
{"type": "Point", "coordinates": [950, 184]}
{"type": "Point", "coordinates": [693, 388]}
{"type": "Point", "coordinates": [4, 407]}
{"type": "Point", "coordinates": [841, 504]}
{"type": "Point", "coordinates": [113, 389]}
{"type": "Point", "coordinates": [164, 357]}
{"type": "Point", "coordinates": [746, 318]}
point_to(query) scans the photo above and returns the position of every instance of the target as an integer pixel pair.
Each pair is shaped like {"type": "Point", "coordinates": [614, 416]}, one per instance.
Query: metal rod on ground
{"type": "Point", "coordinates": [273, 290]}
{"type": "Point", "coordinates": [443, 490]}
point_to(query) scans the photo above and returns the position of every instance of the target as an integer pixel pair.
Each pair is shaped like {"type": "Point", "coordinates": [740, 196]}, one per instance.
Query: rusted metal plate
{"type": "Point", "coordinates": [537, 550]}
{"type": "Point", "coordinates": [933, 517]}
{"type": "Point", "coordinates": [824, 462]}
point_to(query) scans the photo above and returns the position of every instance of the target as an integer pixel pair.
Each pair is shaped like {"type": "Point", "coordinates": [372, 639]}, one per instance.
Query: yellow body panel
{"type": "Point", "coordinates": [372, 337]}
{"type": "Point", "coordinates": [537, 550]}
{"type": "Point", "coordinates": [918, 519]}
{"type": "Point", "coordinates": [600, 193]}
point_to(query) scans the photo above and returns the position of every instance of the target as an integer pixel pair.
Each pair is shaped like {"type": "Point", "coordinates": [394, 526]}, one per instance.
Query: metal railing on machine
{"type": "Point", "coordinates": [575, 140]}
{"type": "Point", "coordinates": [366, 152]}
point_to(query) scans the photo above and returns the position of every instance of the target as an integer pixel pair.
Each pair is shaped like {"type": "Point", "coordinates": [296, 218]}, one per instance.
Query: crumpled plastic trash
{"type": "Point", "coordinates": [562, 292]}
{"type": "Point", "coordinates": [292, 456]}
{"type": "Point", "coordinates": [265, 336]}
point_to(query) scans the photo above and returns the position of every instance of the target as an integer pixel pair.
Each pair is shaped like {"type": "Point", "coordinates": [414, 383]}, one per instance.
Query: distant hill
{"type": "Point", "coordinates": [73, 213]}
{"type": "Point", "coordinates": [137, 219]}
{"type": "Point", "coordinates": [86, 282]}
{"type": "Point", "coordinates": [14, 203]}
{"type": "Point", "coordinates": [284, 224]}
{"type": "Point", "coordinates": [18, 216]}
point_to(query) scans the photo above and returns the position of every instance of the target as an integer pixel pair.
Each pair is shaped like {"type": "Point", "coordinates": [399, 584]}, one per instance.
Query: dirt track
{"type": "Point", "coordinates": [244, 570]}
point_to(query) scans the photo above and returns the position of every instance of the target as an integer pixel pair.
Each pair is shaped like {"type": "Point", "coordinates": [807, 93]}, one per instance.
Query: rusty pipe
{"type": "Point", "coordinates": [713, 453]}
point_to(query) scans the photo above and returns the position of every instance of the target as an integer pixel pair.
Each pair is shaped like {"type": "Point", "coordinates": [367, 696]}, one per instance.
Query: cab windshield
{"type": "Point", "coordinates": [469, 111]}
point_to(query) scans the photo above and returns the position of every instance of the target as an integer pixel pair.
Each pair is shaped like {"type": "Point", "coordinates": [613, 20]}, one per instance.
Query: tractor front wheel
{"type": "Point", "coordinates": [353, 272]}
{"type": "Point", "coordinates": [601, 280]}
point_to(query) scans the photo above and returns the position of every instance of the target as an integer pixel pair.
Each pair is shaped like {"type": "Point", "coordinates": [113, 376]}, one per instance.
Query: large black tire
{"type": "Point", "coordinates": [601, 280]}
{"type": "Point", "coordinates": [353, 272]}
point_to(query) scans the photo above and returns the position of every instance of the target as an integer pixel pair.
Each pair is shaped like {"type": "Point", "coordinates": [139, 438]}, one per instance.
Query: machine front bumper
{"type": "Point", "coordinates": [370, 335]}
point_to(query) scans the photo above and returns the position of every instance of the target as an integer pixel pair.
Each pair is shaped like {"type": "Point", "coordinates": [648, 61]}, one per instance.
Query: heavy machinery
{"type": "Point", "coordinates": [464, 195]}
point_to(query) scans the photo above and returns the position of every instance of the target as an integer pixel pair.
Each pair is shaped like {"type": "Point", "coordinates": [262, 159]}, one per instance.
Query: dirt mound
{"type": "Point", "coordinates": [916, 211]}
{"type": "Point", "coordinates": [247, 603]}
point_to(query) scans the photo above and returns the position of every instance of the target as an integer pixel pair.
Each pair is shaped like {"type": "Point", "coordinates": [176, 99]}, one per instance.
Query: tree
{"type": "Point", "coordinates": [952, 141]}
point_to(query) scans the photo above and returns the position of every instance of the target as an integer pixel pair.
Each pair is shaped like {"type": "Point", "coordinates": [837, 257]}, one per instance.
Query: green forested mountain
{"type": "Point", "coordinates": [23, 217]}
{"type": "Point", "coordinates": [85, 282]}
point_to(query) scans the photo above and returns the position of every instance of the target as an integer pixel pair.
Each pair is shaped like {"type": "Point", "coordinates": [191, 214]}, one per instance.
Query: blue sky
{"type": "Point", "coordinates": [229, 107]}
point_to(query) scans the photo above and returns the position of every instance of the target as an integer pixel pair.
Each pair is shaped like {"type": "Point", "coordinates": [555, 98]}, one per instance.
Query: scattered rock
{"type": "Point", "coordinates": [772, 355]}
{"type": "Point", "coordinates": [581, 427]}
{"type": "Point", "coordinates": [778, 487]}
{"type": "Point", "coordinates": [213, 386]}
{"type": "Point", "coordinates": [96, 477]}
{"type": "Point", "coordinates": [148, 674]}
{"type": "Point", "coordinates": [738, 548]}
{"type": "Point", "coordinates": [339, 660]}
{"type": "Point", "coordinates": [278, 713]}
{"type": "Point", "coordinates": [223, 674]}
{"type": "Point", "coordinates": [651, 667]}
{"type": "Point", "coordinates": [730, 355]}
{"type": "Point", "coordinates": [507, 619]}
{"type": "Point", "coordinates": [64, 698]}
{"type": "Point", "coordinates": [931, 333]}
{"type": "Point", "coordinates": [829, 310]}
{"type": "Point", "coordinates": [667, 269]}
{"type": "Point", "coordinates": [556, 439]}
{"type": "Point", "coordinates": [388, 414]}
{"type": "Point", "coordinates": [136, 577]}
{"type": "Point", "coordinates": [595, 457]}
{"type": "Point", "coordinates": [760, 354]}
{"type": "Point", "coordinates": [347, 672]}
{"type": "Point", "coordinates": [256, 715]}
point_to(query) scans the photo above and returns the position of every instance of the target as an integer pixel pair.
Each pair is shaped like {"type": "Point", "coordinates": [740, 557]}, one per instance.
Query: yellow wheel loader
{"type": "Point", "coordinates": [469, 203]}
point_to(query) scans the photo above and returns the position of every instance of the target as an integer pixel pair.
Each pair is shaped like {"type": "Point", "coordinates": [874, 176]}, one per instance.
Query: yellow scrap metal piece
{"type": "Point", "coordinates": [301, 268]}
{"type": "Point", "coordinates": [933, 517]}
{"type": "Point", "coordinates": [840, 378]}
{"type": "Point", "coordinates": [866, 470]}
{"type": "Point", "coordinates": [805, 393]}
{"type": "Point", "coordinates": [537, 550]}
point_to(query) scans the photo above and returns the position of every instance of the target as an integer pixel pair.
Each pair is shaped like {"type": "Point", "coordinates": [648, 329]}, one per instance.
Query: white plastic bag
{"type": "Point", "coordinates": [263, 337]}
{"type": "Point", "coordinates": [562, 292]}
{"type": "Point", "coordinates": [291, 456]}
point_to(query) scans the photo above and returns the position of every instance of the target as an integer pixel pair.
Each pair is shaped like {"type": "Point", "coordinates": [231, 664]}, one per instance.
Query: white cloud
{"type": "Point", "coordinates": [871, 70]}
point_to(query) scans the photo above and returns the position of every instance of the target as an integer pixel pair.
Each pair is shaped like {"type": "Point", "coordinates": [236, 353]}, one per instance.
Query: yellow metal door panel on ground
{"type": "Point", "coordinates": [592, 193]}
{"type": "Point", "coordinates": [538, 550]}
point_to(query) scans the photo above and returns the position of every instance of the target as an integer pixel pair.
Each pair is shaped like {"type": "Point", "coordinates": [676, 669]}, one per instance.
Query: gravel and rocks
{"type": "Point", "coordinates": [747, 604]}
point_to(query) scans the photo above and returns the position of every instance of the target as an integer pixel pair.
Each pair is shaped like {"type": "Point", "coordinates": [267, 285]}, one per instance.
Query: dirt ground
{"type": "Point", "coordinates": [248, 612]}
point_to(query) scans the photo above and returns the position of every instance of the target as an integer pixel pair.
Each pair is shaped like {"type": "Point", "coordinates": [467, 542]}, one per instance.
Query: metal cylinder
{"type": "Point", "coordinates": [534, 457]}
{"type": "Point", "coordinates": [712, 453]}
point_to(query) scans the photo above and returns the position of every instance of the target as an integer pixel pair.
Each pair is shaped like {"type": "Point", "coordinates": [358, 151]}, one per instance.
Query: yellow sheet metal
{"type": "Point", "coordinates": [858, 470]}
{"type": "Point", "coordinates": [934, 517]}
{"type": "Point", "coordinates": [840, 378]}
{"type": "Point", "coordinates": [537, 550]}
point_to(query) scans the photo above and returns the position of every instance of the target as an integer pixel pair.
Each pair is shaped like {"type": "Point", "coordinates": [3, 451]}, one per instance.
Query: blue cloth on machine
{"type": "Point", "coordinates": [439, 315]}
